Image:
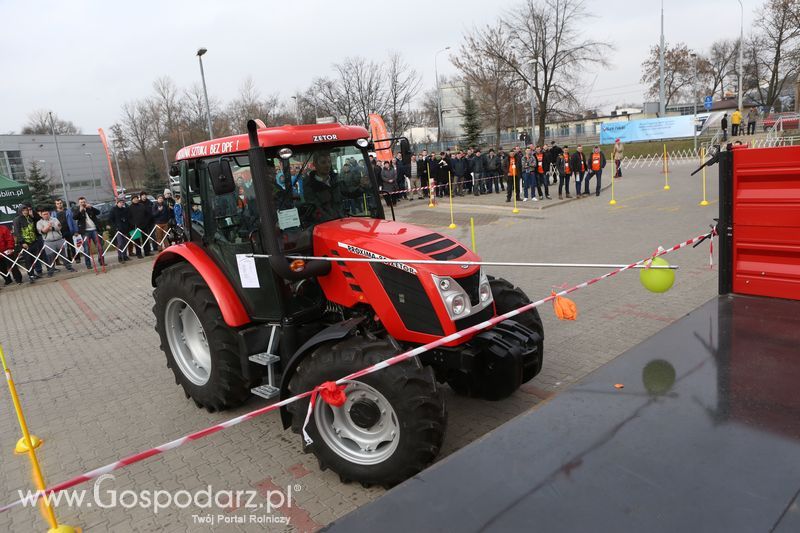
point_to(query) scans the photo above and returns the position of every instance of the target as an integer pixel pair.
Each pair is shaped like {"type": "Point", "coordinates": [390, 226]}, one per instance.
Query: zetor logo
{"type": "Point", "coordinates": [322, 138]}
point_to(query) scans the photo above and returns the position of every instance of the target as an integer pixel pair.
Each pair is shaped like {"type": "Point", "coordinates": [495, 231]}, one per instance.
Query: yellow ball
{"type": "Point", "coordinates": [657, 279]}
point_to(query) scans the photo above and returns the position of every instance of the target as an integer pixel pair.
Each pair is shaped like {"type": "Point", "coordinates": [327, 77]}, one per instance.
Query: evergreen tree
{"type": "Point", "coordinates": [40, 186]}
{"type": "Point", "coordinates": [472, 122]}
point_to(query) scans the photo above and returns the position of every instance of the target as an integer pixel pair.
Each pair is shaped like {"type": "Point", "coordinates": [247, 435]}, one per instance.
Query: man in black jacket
{"type": "Point", "coordinates": [553, 154]}
{"type": "Point", "coordinates": [491, 166]}
{"type": "Point", "coordinates": [578, 164]}
{"type": "Point", "coordinates": [28, 239]}
{"type": "Point", "coordinates": [459, 170]}
{"type": "Point", "coordinates": [479, 187]}
{"type": "Point", "coordinates": [442, 173]}
{"type": "Point", "coordinates": [596, 163]}
{"type": "Point", "coordinates": [423, 163]}
{"type": "Point", "coordinates": [147, 230]}
{"type": "Point", "coordinates": [88, 225]}
{"type": "Point", "coordinates": [121, 217]}
{"type": "Point", "coordinates": [140, 216]}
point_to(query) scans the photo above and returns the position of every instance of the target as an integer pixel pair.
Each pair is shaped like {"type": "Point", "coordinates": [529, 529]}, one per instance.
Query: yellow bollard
{"type": "Point", "coordinates": [703, 156]}
{"type": "Point", "coordinates": [28, 444]}
{"type": "Point", "coordinates": [450, 186]}
{"type": "Point", "coordinates": [666, 169]}
{"type": "Point", "coordinates": [472, 233]}
{"type": "Point", "coordinates": [613, 179]}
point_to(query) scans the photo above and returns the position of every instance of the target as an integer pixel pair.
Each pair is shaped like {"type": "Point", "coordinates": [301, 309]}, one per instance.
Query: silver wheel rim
{"type": "Point", "coordinates": [364, 446]}
{"type": "Point", "coordinates": [187, 341]}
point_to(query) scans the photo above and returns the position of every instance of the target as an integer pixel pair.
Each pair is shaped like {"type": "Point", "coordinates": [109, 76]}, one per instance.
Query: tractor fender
{"type": "Point", "coordinates": [334, 332]}
{"type": "Point", "coordinates": [233, 312]}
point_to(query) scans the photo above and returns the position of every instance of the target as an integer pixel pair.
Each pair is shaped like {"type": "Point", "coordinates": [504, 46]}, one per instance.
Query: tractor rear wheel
{"type": "Point", "coordinates": [507, 297]}
{"type": "Point", "coordinates": [201, 350]}
{"type": "Point", "coordinates": [392, 424]}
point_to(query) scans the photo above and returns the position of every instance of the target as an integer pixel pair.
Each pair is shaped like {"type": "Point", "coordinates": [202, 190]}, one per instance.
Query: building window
{"type": "Point", "coordinates": [547, 131]}
{"type": "Point", "coordinates": [579, 129]}
{"type": "Point", "coordinates": [12, 166]}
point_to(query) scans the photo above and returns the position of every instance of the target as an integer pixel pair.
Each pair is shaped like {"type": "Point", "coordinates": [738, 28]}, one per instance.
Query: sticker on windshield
{"type": "Point", "coordinates": [288, 218]}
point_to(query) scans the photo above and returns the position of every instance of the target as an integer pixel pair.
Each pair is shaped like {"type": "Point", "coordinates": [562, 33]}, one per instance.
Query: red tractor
{"type": "Point", "coordinates": [238, 315]}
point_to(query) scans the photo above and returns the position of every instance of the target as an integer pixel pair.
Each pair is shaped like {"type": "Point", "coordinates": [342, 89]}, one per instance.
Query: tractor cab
{"type": "Point", "coordinates": [290, 276]}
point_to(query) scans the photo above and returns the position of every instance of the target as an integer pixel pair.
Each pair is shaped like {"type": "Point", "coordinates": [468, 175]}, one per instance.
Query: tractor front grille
{"type": "Point", "coordinates": [471, 284]}
{"type": "Point", "coordinates": [409, 299]}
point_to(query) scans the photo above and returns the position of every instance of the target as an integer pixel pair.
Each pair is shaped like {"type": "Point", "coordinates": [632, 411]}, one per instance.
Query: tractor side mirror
{"type": "Point", "coordinates": [174, 170]}
{"type": "Point", "coordinates": [221, 177]}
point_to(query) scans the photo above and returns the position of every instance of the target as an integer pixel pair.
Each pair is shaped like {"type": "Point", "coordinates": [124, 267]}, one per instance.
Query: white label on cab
{"type": "Point", "coordinates": [288, 218]}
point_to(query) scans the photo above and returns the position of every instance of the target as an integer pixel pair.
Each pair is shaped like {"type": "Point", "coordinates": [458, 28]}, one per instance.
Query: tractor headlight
{"type": "Point", "coordinates": [444, 284]}
{"type": "Point", "coordinates": [362, 143]}
{"type": "Point", "coordinates": [458, 304]}
{"type": "Point", "coordinates": [485, 292]}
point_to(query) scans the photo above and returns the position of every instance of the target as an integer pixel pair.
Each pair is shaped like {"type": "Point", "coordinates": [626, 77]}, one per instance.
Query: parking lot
{"type": "Point", "coordinates": [95, 386]}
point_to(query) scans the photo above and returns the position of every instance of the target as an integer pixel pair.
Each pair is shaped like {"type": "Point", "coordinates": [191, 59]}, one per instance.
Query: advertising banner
{"type": "Point", "coordinates": [12, 194]}
{"type": "Point", "coordinates": [382, 151]}
{"type": "Point", "coordinates": [650, 129]}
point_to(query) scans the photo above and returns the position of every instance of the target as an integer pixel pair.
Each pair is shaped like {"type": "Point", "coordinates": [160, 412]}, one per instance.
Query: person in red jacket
{"type": "Point", "coordinates": [8, 269]}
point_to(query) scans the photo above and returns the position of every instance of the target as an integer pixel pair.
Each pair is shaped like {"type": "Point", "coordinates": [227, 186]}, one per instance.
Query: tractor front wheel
{"type": "Point", "coordinates": [201, 350]}
{"type": "Point", "coordinates": [392, 423]}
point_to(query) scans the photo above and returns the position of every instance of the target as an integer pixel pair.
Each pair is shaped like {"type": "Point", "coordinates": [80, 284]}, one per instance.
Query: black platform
{"type": "Point", "coordinates": [718, 449]}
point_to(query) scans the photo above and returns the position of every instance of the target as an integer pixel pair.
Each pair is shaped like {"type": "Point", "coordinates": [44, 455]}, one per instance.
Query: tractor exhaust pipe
{"type": "Point", "coordinates": [268, 228]}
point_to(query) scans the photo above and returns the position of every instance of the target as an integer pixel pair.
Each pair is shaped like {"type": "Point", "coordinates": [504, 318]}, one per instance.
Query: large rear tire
{"type": "Point", "coordinates": [507, 297]}
{"type": "Point", "coordinates": [201, 350]}
{"type": "Point", "coordinates": [392, 425]}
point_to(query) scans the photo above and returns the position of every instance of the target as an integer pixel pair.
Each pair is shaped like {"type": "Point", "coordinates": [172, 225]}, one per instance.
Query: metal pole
{"type": "Point", "coordinates": [438, 93]}
{"type": "Point", "coordinates": [296, 109]}
{"type": "Point", "coordinates": [94, 181]}
{"type": "Point", "coordinates": [166, 161]}
{"type": "Point", "coordinates": [533, 110]}
{"type": "Point", "coordinates": [200, 53]}
{"type": "Point", "coordinates": [694, 98]}
{"type": "Point", "coordinates": [119, 175]}
{"type": "Point", "coordinates": [58, 154]}
{"type": "Point", "coordinates": [741, 52]}
{"type": "Point", "coordinates": [662, 105]}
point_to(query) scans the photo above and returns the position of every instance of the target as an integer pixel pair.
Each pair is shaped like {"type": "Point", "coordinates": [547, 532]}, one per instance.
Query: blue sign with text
{"type": "Point", "coordinates": [648, 129]}
{"type": "Point", "coordinates": [708, 103]}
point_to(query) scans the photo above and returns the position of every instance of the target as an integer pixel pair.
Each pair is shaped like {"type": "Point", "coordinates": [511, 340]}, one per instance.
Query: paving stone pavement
{"type": "Point", "coordinates": [95, 386]}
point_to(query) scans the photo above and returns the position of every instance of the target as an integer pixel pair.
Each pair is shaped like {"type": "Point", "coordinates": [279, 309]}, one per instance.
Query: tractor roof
{"type": "Point", "coordinates": [286, 135]}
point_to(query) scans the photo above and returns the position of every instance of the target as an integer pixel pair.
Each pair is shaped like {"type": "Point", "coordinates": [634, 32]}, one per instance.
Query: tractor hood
{"type": "Point", "coordinates": [375, 238]}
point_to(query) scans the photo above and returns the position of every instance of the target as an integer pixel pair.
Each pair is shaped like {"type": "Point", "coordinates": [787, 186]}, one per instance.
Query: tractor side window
{"type": "Point", "coordinates": [231, 217]}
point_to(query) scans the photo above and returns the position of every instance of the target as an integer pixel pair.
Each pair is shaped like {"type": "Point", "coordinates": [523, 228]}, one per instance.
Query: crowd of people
{"type": "Point", "coordinates": [50, 235]}
{"type": "Point", "coordinates": [526, 174]}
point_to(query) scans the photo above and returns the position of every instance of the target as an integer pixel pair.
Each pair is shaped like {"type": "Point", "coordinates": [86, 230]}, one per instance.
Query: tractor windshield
{"type": "Point", "coordinates": [319, 184]}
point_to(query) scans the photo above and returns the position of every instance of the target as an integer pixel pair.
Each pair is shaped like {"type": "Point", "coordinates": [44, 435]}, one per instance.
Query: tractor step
{"type": "Point", "coordinates": [266, 391]}
{"type": "Point", "coordinates": [264, 358]}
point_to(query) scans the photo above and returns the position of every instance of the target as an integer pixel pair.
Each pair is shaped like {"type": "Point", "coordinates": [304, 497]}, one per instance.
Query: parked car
{"type": "Point", "coordinates": [789, 121]}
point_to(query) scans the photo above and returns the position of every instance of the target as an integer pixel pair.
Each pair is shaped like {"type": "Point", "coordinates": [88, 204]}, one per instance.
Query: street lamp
{"type": "Point", "coordinates": [58, 154]}
{"type": "Point", "coordinates": [662, 105]}
{"type": "Point", "coordinates": [94, 181]}
{"type": "Point", "coordinates": [200, 53]}
{"type": "Point", "coordinates": [438, 92]}
{"type": "Point", "coordinates": [694, 99]}
{"type": "Point", "coordinates": [166, 161]}
{"type": "Point", "coordinates": [296, 109]}
{"type": "Point", "coordinates": [741, 52]}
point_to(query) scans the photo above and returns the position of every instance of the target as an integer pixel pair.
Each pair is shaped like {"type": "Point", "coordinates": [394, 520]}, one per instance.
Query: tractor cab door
{"type": "Point", "coordinates": [229, 225]}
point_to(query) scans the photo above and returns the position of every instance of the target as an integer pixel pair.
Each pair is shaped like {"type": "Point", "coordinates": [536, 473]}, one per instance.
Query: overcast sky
{"type": "Point", "coordinates": [84, 58]}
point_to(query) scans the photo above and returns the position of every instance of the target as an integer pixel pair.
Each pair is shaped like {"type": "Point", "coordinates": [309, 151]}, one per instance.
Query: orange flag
{"type": "Point", "coordinates": [382, 149]}
{"type": "Point", "coordinates": [564, 307]}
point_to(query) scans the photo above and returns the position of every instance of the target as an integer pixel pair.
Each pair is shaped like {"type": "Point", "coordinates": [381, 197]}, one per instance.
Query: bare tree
{"type": "Point", "coordinates": [547, 50]}
{"type": "Point", "coordinates": [678, 72]}
{"type": "Point", "coordinates": [773, 53]}
{"type": "Point", "coordinates": [248, 105]}
{"type": "Point", "coordinates": [491, 80]}
{"type": "Point", "coordinates": [403, 84]}
{"type": "Point", "coordinates": [718, 68]}
{"type": "Point", "coordinates": [138, 127]}
{"type": "Point", "coordinates": [167, 104]}
{"type": "Point", "coordinates": [39, 124]}
{"type": "Point", "coordinates": [366, 81]}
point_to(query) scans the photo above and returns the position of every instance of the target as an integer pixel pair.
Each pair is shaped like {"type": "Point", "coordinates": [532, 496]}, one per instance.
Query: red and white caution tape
{"type": "Point", "coordinates": [332, 393]}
